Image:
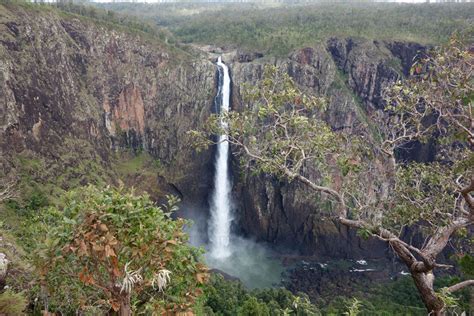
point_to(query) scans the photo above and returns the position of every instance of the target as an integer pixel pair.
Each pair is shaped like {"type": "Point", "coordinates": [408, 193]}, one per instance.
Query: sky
{"type": "Point", "coordinates": [155, 1]}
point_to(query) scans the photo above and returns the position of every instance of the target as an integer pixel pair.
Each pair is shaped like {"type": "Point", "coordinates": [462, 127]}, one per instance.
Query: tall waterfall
{"type": "Point", "coordinates": [220, 220]}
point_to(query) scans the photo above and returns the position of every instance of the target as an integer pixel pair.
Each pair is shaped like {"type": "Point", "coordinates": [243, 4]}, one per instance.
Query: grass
{"type": "Point", "coordinates": [133, 164]}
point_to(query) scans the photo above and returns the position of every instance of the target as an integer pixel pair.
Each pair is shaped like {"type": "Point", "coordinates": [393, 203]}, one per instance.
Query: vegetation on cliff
{"type": "Point", "coordinates": [146, 29]}
{"type": "Point", "coordinates": [75, 91]}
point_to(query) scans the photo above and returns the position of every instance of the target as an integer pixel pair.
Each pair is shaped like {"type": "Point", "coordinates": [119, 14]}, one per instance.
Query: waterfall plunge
{"type": "Point", "coordinates": [219, 225]}
{"type": "Point", "coordinates": [244, 259]}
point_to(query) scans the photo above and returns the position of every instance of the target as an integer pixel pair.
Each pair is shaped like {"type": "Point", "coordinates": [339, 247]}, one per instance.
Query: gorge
{"type": "Point", "coordinates": [106, 91]}
{"type": "Point", "coordinates": [83, 102]}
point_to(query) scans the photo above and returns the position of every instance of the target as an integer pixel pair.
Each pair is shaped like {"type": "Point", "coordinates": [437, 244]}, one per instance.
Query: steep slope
{"type": "Point", "coordinates": [352, 74]}
{"type": "Point", "coordinates": [75, 94]}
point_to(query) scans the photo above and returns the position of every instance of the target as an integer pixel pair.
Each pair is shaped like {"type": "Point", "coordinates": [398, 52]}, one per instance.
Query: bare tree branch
{"type": "Point", "coordinates": [466, 193]}
{"type": "Point", "coordinates": [7, 190]}
{"type": "Point", "coordinates": [460, 285]}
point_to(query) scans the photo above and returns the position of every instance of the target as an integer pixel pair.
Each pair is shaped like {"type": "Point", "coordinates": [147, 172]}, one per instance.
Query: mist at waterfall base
{"type": "Point", "coordinates": [255, 264]}
{"type": "Point", "coordinates": [250, 262]}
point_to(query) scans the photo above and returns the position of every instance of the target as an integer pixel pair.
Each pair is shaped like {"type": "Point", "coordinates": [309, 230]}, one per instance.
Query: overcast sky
{"type": "Point", "coordinates": [154, 1]}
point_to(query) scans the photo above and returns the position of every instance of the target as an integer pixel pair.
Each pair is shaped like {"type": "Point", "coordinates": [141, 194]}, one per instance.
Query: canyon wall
{"type": "Point", "coordinates": [74, 91]}
{"type": "Point", "coordinates": [352, 74]}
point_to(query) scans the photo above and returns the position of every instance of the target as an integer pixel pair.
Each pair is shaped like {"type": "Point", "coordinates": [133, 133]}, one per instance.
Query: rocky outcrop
{"type": "Point", "coordinates": [72, 87]}
{"type": "Point", "coordinates": [369, 66]}
{"type": "Point", "coordinates": [129, 114]}
{"type": "Point", "coordinates": [408, 53]}
{"type": "Point", "coordinates": [352, 74]}
{"type": "Point", "coordinates": [245, 57]}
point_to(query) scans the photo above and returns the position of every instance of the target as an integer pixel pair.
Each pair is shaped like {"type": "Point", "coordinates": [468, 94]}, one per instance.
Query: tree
{"type": "Point", "coordinates": [230, 297]}
{"type": "Point", "coordinates": [7, 192]}
{"type": "Point", "coordinates": [280, 132]}
{"type": "Point", "coordinates": [108, 249]}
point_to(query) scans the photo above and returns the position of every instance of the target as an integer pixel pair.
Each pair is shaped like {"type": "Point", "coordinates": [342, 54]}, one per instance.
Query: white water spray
{"type": "Point", "coordinates": [219, 226]}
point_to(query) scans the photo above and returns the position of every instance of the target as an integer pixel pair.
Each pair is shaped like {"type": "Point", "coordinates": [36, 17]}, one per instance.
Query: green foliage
{"type": "Point", "coordinates": [225, 297]}
{"type": "Point", "coordinates": [353, 308]}
{"type": "Point", "coordinates": [279, 28]}
{"type": "Point", "coordinates": [364, 233]}
{"type": "Point", "coordinates": [448, 299]}
{"type": "Point", "coordinates": [418, 183]}
{"type": "Point", "coordinates": [12, 304]}
{"type": "Point", "coordinates": [456, 302]}
{"type": "Point", "coordinates": [435, 103]}
{"type": "Point", "coordinates": [103, 247]}
{"type": "Point", "coordinates": [466, 262]}
{"type": "Point", "coordinates": [252, 307]}
{"type": "Point", "coordinates": [134, 164]}
{"type": "Point", "coordinates": [36, 200]}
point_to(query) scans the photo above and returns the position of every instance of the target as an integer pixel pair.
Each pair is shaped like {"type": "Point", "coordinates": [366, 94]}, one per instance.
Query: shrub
{"type": "Point", "coordinates": [12, 304]}
{"type": "Point", "coordinates": [108, 249]}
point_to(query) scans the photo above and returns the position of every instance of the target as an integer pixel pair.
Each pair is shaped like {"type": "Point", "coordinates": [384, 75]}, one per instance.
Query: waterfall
{"type": "Point", "coordinates": [220, 220]}
{"type": "Point", "coordinates": [252, 263]}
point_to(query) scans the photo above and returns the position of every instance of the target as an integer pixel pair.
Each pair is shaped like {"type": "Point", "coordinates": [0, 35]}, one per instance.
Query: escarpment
{"type": "Point", "coordinates": [77, 92]}
{"type": "Point", "coordinates": [352, 74]}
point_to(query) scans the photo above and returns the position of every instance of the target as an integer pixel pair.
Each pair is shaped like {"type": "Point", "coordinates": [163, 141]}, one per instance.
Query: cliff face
{"type": "Point", "coordinates": [68, 85]}
{"type": "Point", "coordinates": [73, 94]}
{"type": "Point", "coordinates": [352, 74]}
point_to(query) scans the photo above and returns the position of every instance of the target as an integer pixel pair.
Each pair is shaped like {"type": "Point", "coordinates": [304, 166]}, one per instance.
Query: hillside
{"type": "Point", "coordinates": [73, 85]}
{"type": "Point", "coordinates": [278, 29]}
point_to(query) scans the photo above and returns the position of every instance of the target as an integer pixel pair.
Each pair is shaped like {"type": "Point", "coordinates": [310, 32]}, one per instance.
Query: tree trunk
{"type": "Point", "coordinates": [125, 306]}
{"type": "Point", "coordinates": [424, 284]}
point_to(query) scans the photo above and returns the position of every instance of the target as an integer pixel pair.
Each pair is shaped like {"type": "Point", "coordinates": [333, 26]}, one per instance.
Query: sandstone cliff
{"type": "Point", "coordinates": [74, 92]}
{"type": "Point", "coordinates": [352, 74]}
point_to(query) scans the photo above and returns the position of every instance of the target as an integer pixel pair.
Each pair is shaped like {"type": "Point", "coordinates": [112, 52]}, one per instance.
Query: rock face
{"type": "Point", "coordinates": [3, 269]}
{"type": "Point", "coordinates": [353, 74]}
{"type": "Point", "coordinates": [368, 67]}
{"type": "Point", "coordinates": [73, 92]}
{"type": "Point", "coordinates": [69, 85]}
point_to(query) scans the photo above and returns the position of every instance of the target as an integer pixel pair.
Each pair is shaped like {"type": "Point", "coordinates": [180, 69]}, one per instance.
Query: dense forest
{"type": "Point", "coordinates": [278, 29]}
